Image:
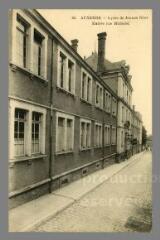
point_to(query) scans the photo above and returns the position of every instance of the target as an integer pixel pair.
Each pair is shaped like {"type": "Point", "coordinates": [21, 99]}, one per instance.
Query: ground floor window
{"type": "Point", "coordinates": [107, 135]}
{"type": "Point", "coordinates": [98, 135]}
{"type": "Point", "coordinates": [19, 132]}
{"type": "Point", "coordinates": [36, 130]}
{"type": "Point", "coordinates": [85, 134]}
{"type": "Point", "coordinates": [26, 129]}
{"type": "Point", "coordinates": [65, 133]}
{"type": "Point", "coordinates": [113, 135]}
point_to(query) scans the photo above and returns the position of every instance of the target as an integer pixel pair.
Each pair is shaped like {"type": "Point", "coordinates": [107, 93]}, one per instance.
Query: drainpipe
{"type": "Point", "coordinates": [117, 160]}
{"type": "Point", "coordinates": [51, 123]}
{"type": "Point", "coordinates": [103, 129]}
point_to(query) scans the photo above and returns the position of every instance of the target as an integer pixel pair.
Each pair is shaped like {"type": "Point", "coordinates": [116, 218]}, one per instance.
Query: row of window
{"type": "Point", "coordinates": [65, 133]}
{"type": "Point", "coordinates": [29, 133]}
{"type": "Point", "coordinates": [31, 54]}
{"type": "Point", "coordinates": [126, 115]}
{"type": "Point", "coordinates": [66, 81]}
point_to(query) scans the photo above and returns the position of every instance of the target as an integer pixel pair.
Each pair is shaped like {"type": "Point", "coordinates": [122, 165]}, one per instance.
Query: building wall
{"type": "Point", "coordinates": [32, 175]}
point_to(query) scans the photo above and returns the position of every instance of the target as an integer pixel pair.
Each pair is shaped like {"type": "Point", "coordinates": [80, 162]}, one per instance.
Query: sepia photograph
{"type": "Point", "coordinates": [80, 120]}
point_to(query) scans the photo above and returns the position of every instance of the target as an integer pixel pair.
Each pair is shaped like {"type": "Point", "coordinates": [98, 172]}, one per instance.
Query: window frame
{"type": "Point", "coordinates": [100, 132]}
{"type": "Point", "coordinates": [87, 96]}
{"type": "Point", "coordinates": [65, 117]}
{"type": "Point", "coordinates": [29, 108]}
{"type": "Point", "coordinates": [113, 142]}
{"type": "Point", "coordinates": [85, 121]}
{"type": "Point", "coordinates": [107, 140]}
{"type": "Point", "coordinates": [31, 26]}
{"type": "Point", "coordinates": [67, 58]}
{"type": "Point", "coordinates": [101, 90]}
{"type": "Point", "coordinates": [107, 102]}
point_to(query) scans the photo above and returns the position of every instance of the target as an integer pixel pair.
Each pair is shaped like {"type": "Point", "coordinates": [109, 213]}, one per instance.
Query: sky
{"type": "Point", "coordinates": [130, 40]}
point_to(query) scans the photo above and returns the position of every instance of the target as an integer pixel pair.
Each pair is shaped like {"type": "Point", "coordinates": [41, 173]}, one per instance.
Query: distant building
{"type": "Point", "coordinates": [116, 76]}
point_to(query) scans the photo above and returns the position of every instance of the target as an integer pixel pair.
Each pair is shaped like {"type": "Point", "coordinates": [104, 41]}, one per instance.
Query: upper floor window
{"type": "Point", "coordinates": [107, 102]}
{"type": "Point", "coordinates": [22, 42]}
{"type": "Point", "coordinates": [86, 87]}
{"type": "Point", "coordinates": [114, 107]}
{"type": "Point", "coordinates": [66, 72]}
{"type": "Point", "coordinates": [70, 76]}
{"type": "Point", "coordinates": [62, 70]}
{"type": "Point", "coordinates": [29, 44]}
{"type": "Point", "coordinates": [122, 114]}
{"type": "Point", "coordinates": [99, 95]}
{"type": "Point", "coordinates": [85, 133]}
{"type": "Point", "coordinates": [37, 53]}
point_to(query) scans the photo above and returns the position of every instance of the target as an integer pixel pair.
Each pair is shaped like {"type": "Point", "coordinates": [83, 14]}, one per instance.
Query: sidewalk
{"type": "Point", "coordinates": [31, 214]}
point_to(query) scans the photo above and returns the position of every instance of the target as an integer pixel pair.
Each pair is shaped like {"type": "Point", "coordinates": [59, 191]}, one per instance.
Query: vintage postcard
{"type": "Point", "coordinates": [80, 120]}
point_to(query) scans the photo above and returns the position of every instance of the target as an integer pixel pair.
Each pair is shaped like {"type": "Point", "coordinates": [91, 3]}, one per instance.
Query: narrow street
{"type": "Point", "coordinates": [120, 204]}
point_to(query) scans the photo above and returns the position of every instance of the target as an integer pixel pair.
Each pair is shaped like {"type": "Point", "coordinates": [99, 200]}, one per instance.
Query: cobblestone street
{"type": "Point", "coordinates": [120, 204]}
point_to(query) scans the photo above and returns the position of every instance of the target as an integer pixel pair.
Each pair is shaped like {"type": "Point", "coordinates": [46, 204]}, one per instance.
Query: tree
{"type": "Point", "coordinates": [144, 135]}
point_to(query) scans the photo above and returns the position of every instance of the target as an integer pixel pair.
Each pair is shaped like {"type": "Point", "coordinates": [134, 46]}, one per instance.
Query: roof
{"type": "Point", "coordinates": [92, 60]}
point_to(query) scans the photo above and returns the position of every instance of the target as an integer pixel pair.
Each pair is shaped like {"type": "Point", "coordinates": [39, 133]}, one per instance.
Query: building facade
{"type": "Point", "coordinates": [62, 115]}
{"type": "Point", "coordinates": [116, 76]}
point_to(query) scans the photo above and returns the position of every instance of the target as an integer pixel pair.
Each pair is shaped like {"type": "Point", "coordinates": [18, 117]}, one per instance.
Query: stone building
{"type": "Point", "coordinates": [116, 76]}
{"type": "Point", "coordinates": [62, 114]}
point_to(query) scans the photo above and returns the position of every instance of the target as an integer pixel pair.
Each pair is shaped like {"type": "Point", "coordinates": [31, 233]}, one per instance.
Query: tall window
{"type": "Point", "coordinates": [113, 135]}
{"type": "Point", "coordinates": [37, 53]}
{"type": "Point", "coordinates": [122, 114]}
{"type": "Point", "coordinates": [61, 129]}
{"type": "Point", "coordinates": [86, 87]}
{"type": "Point", "coordinates": [89, 89]}
{"type": "Point", "coordinates": [99, 95]}
{"type": "Point", "coordinates": [114, 107]}
{"type": "Point", "coordinates": [62, 70]}
{"type": "Point", "coordinates": [98, 135]}
{"type": "Point", "coordinates": [85, 131]}
{"type": "Point", "coordinates": [122, 138]}
{"type": "Point", "coordinates": [107, 135]}
{"type": "Point", "coordinates": [65, 130]}
{"type": "Point", "coordinates": [107, 102]}
{"type": "Point", "coordinates": [69, 134]}
{"type": "Point", "coordinates": [70, 75]}
{"type": "Point", "coordinates": [36, 125]}
{"type": "Point", "coordinates": [19, 132]}
{"type": "Point", "coordinates": [66, 71]}
{"type": "Point", "coordinates": [22, 42]}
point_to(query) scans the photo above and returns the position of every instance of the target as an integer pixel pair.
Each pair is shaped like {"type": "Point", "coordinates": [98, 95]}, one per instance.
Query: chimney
{"type": "Point", "coordinates": [101, 51]}
{"type": "Point", "coordinates": [74, 44]}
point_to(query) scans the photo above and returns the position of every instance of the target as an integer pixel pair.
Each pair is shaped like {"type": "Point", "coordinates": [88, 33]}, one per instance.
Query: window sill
{"type": "Point", "coordinates": [31, 74]}
{"type": "Point", "coordinates": [64, 152]}
{"type": "Point", "coordinates": [113, 144]}
{"type": "Point", "coordinates": [101, 109]}
{"type": "Point", "coordinates": [85, 149]}
{"type": "Point", "coordinates": [85, 101]}
{"type": "Point", "coordinates": [28, 158]}
{"type": "Point", "coordinates": [97, 147]}
{"type": "Point", "coordinates": [109, 112]}
{"type": "Point", "coordinates": [65, 91]}
{"type": "Point", "coordinates": [108, 145]}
